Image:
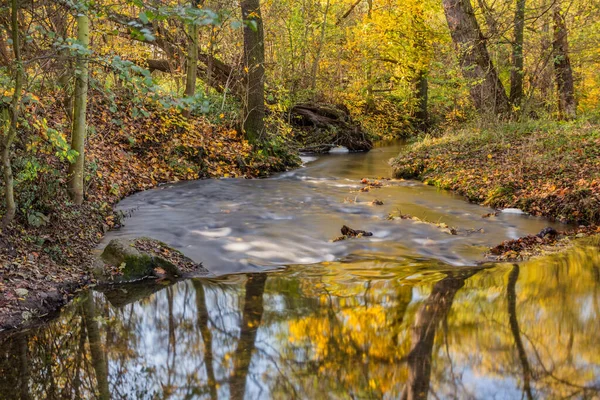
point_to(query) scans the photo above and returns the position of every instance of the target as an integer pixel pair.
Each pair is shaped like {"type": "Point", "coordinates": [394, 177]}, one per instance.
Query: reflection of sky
{"type": "Point", "coordinates": [488, 387]}
{"type": "Point", "coordinates": [480, 360]}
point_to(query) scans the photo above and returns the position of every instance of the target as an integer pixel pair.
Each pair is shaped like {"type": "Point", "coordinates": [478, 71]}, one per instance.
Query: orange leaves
{"type": "Point", "coordinates": [165, 147]}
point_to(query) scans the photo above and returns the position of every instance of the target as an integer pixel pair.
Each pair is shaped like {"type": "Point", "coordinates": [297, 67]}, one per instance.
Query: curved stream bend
{"type": "Point", "coordinates": [236, 225]}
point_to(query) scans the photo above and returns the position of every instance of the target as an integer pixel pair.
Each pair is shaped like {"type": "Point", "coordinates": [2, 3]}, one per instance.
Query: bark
{"type": "Point", "coordinates": [315, 66]}
{"type": "Point", "coordinates": [192, 59]}
{"type": "Point", "coordinates": [24, 367]}
{"type": "Point", "coordinates": [98, 360]}
{"type": "Point", "coordinates": [421, 84]}
{"type": "Point", "coordinates": [254, 59]}
{"type": "Point", "coordinates": [76, 169]}
{"type": "Point", "coordinates": [422, 96]}
{"type": "Point", "coordinates": [430, 314]}
{"type": "Point", "coordinates": [251, 320]}
{"type": "Point", "coordinates": [545, 80]}
{"type": "Point", "coordinates": [348, 12]}
{"type": "Point", "coordinates": [203, 320]}
{"type": "Point", "coordinates": [511, 295]}
{"type": "Point", "coordinates": [516, 74]}
{"type": "Point", "coordinates": [486, 88]}
{"type": "Point", "coordinates": [9, 119]}
{"type": "Point", "coordinates": [567, 106]}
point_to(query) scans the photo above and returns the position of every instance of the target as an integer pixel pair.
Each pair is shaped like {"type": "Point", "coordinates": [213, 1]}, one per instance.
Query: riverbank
{"type": "Point", "coordinates": [46, 254]}
{"type": "Point", "coordinates": [543, 168]}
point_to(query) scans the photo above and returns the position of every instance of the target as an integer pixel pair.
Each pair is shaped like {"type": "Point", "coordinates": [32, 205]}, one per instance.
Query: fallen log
{"type": "Point", "coordinates": [320, 126]}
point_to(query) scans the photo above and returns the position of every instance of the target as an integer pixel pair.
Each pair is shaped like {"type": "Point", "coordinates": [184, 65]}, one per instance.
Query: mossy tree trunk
{"type": "Point", "coordinates": [9, 120]}
{"type": "Point", "coordinates": [254, 59]}
{"type": "Point", "coordinates": [567, 106]}
{"type": "Point", "coordinates": [486, 88]}
{"type": "Point", "coordinates": [78, 135]}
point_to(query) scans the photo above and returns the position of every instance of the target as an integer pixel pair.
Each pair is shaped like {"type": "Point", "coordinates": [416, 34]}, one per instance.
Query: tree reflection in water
{"type": "Point", "coordinates": [362, 329]}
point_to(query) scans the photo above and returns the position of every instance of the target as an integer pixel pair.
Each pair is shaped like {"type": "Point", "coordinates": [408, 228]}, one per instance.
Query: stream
{"type": "Point", "coordinates": [289, 314]}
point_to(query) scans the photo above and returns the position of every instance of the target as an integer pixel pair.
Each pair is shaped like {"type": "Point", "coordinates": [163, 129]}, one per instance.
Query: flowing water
{"type": "Point", "coordinates": [406, 313]}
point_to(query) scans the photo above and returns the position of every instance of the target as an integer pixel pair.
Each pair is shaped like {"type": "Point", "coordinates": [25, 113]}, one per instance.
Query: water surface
{"type": "Point", "coordinates": [233, 225]}
{"type": "Point", "coordinates": [406, 313]}
{"type": "Point", "coordinates": [342, 330]}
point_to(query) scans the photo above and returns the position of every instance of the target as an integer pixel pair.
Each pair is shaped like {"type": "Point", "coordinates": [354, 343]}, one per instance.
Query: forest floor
{"type": "Point", "coordinates": [46, 254]}
{"type": "Point", "coordinates": [543, 168]}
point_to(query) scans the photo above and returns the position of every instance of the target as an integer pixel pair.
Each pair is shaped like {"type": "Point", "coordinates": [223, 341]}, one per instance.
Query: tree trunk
{"type": "Point", "coordinates": [433, 310]}
{"type": "Point", "coordinates": [315, 66]}
{"type": "Point", "coordinates": [516, 74]}
{"type": "Point", "coordinates": [421, 85]}
{"type": "Point", "coordinates": [98, 360]}
{"type": "Point", "coordinates": [76, 169]}
{"type": "Point", "coordinates": [203, 325]}
{"type": "Point", "coordinates": [486, 88]}
{"type": "Point", "coordinates": [254, 59]}
{"type": "Point", "coordinates": [251, 320]}
{"type": "Point", "coordinates": [545, 80]}
{"type": "Point", "coordinates": [421, 94]}
{"type": "Point", "coordinates": [192, 60]}
{"type": "Point", "coordinates": [567, 107]}
{"type": "Point", "coordinates": [10, 118]}
{"type": "Point", "coordinates": [511, 295]}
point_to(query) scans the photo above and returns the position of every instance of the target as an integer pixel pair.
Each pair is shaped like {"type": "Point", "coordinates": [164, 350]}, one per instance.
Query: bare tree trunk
{"type": "Point", "coordinates": [516, 74]}
{"type": "Point", "coordinates": [422, 90]}
{"type": "Point", "coordinates": [511, 295]}
{"type": "Point", "coordinates": [9, 119]}
{"type": "Point", "coordinates": [254, 59]}
{"type": "Point", "coordinates": [427, 319]}
{"type": "Point", "coordinates": [369, 74]}
{"type": "Point", "coordinates": [24, 367]}
{"type": "Point", "coordinates": [421, 84]}
{"type": "Point", "coordinates": [98, 360]}
{"type": "Point", "coordinates": [76, 169]}
{"type": "Point", "coordinates": [545, 80]}
{"type": "Point", "coordinates": [486, 88]}
{"type": "Point", "coordinates": [251, 319]}
{"type": "Point", "coordinates": [203, 320]}
{"type": "Point", "coordinates": [315, 66]}
{"type": "Point", "coordinates": [192, 59]}
{"type": "Point", "coordinates": [567, 106]}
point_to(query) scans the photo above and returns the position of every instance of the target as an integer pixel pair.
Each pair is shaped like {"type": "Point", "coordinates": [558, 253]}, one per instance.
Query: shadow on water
{"type": "Point", "coordinates": [333, 330]}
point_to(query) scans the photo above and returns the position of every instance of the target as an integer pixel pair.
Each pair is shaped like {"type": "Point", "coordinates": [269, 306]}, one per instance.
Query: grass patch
{"type": "Point", "coordinates": [546, 168]}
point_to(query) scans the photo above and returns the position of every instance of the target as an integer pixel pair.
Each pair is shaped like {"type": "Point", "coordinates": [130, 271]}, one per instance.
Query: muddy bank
{"type": "Point", "coordinates": [47, 251]}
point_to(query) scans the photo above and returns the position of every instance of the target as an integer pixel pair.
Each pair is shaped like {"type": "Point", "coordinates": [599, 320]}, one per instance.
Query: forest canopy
{"type": "Point", "coordinates": [101, 99]}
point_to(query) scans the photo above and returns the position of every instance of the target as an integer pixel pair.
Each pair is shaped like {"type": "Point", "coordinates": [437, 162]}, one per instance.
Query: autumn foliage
{"type": "Point", "coordinates": [545, 169]}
